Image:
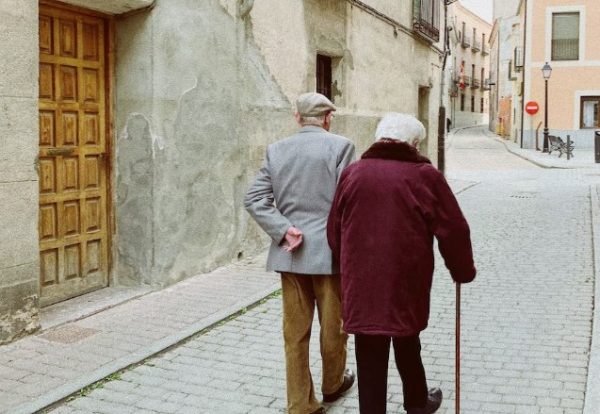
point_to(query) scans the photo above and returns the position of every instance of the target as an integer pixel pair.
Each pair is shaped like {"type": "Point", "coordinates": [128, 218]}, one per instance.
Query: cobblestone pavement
{"type": "Point", "coordinates": [57, 362]}
{"type": "Point", "coordinates": [526, 318]}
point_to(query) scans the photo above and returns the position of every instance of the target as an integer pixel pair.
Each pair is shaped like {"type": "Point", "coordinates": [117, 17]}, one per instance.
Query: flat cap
{"type": "Point", "coordinates": [314, 104]}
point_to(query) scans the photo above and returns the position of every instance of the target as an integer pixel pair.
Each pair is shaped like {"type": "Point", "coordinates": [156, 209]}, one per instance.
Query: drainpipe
{"type": "Point", "coordinates": [524, 71]}
{"type": "Point", "coordinates": [442, 111]}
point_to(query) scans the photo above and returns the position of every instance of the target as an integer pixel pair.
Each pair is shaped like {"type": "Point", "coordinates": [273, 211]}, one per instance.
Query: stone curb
{"type": "Point", "coordinates": [60, 393]}
{"type": "Point", "coordinates": [512, 151]}
{"type": "Point", "coordinates": [592, 395]}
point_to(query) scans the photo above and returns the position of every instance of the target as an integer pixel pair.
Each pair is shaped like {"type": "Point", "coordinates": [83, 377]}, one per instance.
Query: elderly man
{"type": "Point", "coordinates": [290, 199]}
{"type": "Point", "coordinates": [387, 209]}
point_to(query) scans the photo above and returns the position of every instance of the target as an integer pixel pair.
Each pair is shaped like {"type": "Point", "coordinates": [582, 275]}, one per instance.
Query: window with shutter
{"type": "Point", "coordinates": [565, 36]}
{"type": "Point", "coordinates": [590, 112]}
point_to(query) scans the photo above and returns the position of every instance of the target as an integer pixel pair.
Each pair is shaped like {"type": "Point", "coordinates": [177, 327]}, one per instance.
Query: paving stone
{"type": "Point", "coordinates": [525, 322]}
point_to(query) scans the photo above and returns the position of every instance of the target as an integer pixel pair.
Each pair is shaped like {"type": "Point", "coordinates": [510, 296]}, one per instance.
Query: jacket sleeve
{"type": "Point", "coordinates": [452, 232]}
{"type": "Point", "coordinates": [345, 158]}
{"type": "Point", "coordinates": [260, 203]}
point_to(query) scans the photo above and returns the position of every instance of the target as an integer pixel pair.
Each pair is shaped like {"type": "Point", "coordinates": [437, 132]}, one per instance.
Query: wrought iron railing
{"type": "Point", "coordinates": [475, 84]}
{"type": "Point", "coordinates": [485, 49]}
{"type": "Point", "coordinates": [476, 46]}
{"type": "Point", "coordinates": [426, 19]}
{"type": "Point", "coordinates": [465, 41]}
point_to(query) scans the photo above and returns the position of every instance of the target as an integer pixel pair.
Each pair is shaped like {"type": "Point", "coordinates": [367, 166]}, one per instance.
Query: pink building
{"type": "Point", "coordinates": [566, 35]}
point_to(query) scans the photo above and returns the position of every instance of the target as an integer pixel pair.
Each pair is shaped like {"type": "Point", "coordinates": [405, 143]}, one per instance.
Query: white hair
{"type": "Point", "coordinates": [401, 127]}
{"type": "Point", "coordinates": [313, 120]}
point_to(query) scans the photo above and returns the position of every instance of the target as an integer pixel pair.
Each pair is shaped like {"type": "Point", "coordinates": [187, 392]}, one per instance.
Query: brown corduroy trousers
{"type": "Point", "coordinates": [300, 295]}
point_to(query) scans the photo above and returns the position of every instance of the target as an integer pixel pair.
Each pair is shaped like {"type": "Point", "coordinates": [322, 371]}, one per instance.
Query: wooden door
{"type": "Point", "coordinates": [73, 157]}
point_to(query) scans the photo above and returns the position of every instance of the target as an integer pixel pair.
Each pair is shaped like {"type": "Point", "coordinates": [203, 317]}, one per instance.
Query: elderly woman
{"type": "Point", "coordinates": [387, 209]}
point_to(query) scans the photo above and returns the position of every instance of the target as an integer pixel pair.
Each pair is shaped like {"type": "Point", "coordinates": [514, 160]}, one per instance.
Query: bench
{"type": "Point", "coordinates": [557, 144]}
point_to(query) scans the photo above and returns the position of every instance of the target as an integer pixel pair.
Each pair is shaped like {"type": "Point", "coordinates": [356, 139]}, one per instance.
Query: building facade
{"type": "Point", "coordinates": [469, 67]}
{"type": "Point", "coordinates": [127, 162]}
{"type": "Point", "coordinates": [505, 65]}
{"type": "Point", "coordinates": [565, 34]}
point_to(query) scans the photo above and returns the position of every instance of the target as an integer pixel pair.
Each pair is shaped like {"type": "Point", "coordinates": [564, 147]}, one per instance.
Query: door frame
{"type": "Point", "coordinates": [109, 82]}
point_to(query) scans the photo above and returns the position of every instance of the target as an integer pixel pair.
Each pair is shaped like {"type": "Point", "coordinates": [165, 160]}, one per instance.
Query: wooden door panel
{"type": "Point", "coordinates": [72, 160]}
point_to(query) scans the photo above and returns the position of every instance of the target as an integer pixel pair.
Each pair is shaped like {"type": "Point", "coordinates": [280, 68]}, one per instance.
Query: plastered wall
{"type": "Point", "coordinates": [203, 88]}
{"type": "Point", "coordinates": [19, 267]}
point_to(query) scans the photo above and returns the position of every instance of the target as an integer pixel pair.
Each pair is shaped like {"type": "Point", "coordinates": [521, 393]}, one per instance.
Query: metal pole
{"type": "Point", "coordinates": [546, 119]}
{"type": "Point", "coordinates": [457, 362]}
{"type": "Point", "coordinates": [523, 97]}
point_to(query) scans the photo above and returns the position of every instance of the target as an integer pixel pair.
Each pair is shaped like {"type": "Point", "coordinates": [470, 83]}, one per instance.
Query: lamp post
{"type": "Point", "coordinates": [547, 72]}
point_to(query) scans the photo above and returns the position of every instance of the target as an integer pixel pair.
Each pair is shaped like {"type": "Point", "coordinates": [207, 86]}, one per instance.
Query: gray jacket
{"type": "Point", "coordinates": [295, 187]}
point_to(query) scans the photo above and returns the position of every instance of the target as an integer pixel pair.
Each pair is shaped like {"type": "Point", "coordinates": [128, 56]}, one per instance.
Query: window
{"type": "Point", "coordinates": [482, 76]}
{"type": "Point", "coordinates": [482, 106]}
{"type": "Point", "coordinates": [462, 101]}
{"type": "Point", "coordinates": [511, 75]}
{"type": "Point", "coordinates": [472, 103]}
{"type": "Point", "coordinates": [473, 72]}
{"type": "Point", "coordinates": [590, 112]}
{"type": "Point", "coordinates": [426, 20]}
{"type": "Point", "coordinates": [324, 76]}
{"type": "Point", "coordinates": [565, 36]}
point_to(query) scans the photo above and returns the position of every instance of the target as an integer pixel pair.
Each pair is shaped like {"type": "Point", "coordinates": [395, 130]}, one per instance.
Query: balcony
{"type": "Point", "coordinates": [465, 42]}
{"type": "Point", "coordinates": [475, 84]}
{"type": "Point", "coordinates": [485, 85]}
{"type": "Point", "coordinates": [476, 46]}
{"type": "Point", "coordinates": [426, 19]}
{"type": "Point", "coordinates": [453, 90]}
{"type": "Point", "coordinates": [467, 80]}
{"type": "Point", "coordinates": [485, 50]}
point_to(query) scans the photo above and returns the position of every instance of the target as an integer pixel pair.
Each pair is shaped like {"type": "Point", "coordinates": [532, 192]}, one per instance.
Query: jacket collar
{"type": "Point", "coordinates": [311, 128]}
{"type": "Point", "coordinates": [389, 149]}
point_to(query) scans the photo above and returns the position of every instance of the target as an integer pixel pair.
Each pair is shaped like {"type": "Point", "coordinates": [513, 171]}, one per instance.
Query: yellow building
{"type": "Point", "coordinates": [566, 35]}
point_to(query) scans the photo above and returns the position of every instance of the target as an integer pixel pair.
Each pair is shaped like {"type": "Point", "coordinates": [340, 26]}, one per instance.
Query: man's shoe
{"type": "Point", "coordinates": [434, 400]}
{"type": "Point", "coordinates": [349, 378]}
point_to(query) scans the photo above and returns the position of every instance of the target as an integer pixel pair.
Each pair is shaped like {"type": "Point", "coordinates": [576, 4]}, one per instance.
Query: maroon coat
{"type": "Point", "coordinates": [387, 209]}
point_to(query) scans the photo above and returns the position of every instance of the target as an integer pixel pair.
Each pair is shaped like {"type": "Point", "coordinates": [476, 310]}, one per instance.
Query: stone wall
{"type": "Point", "coordinates": [204, 87]}
{"type": "Point", "coordinates": [19, 266]}
{"type": "Point", "coordinates": [196, 107]}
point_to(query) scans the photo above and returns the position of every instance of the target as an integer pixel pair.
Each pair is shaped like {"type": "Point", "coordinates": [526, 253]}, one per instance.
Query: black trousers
{"type": "Point", "coordinates": [372, 356]}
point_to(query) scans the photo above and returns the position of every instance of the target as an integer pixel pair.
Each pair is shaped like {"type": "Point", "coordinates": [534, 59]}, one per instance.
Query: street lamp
{"type": "Point", "coordinates": [547, 72]}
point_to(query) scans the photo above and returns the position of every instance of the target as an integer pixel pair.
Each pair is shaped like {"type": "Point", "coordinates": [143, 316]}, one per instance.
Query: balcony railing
{"type": "Point", "coordinates": [467, 80]}
{"type": "Point", "coordinates": [426, 19]}
{"type": "Point", "coordinates": [465, 42]}
{"type": "Point", "coordinates": [476, 46]}
{"type": "Point", "coordinates": [475, 84]}
{"type": "Point", "coordinates": [485, 85]}
{"type": "Point", "coordinates": [453, 90]}
{"type": "Point", "coordinates": [485, 50]}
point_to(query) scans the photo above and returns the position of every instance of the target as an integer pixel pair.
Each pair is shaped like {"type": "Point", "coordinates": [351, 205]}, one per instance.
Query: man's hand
{"type": "Point", "coordinates": [292, 239]}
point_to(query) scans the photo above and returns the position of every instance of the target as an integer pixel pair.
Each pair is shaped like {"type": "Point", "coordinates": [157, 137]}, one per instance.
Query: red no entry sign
{"type": "Point", "coordinates": [532, 108]}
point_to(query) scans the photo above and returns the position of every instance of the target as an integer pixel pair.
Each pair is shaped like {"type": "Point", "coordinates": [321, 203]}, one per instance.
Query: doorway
{"type": "Point", "coordinates": [74, 164]}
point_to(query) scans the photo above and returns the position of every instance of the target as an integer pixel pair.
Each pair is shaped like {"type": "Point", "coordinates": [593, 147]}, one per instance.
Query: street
{"type": "Point", "coordinates": [526, 317]}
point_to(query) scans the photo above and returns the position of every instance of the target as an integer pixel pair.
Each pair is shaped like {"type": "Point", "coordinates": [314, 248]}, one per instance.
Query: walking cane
{"type": "Point", "coordinates": [457, 362]}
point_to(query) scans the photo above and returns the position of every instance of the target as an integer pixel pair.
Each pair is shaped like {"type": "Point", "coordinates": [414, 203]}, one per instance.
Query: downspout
{"type": "Point", "coordinates": [442, 111]}
{"type": "Point", "coordinates": [524, 71]}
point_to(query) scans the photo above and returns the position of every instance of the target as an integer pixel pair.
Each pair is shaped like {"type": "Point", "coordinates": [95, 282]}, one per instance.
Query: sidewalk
{"type": "Point", "coordinates": [45, 368]}
{"type": "Point", "coordinates": [582, 158]}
